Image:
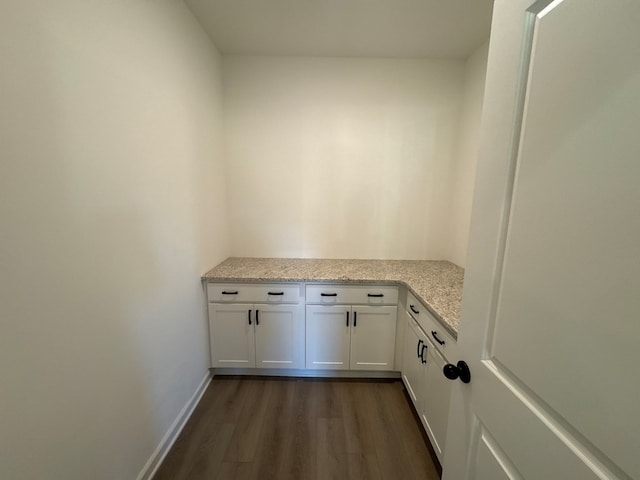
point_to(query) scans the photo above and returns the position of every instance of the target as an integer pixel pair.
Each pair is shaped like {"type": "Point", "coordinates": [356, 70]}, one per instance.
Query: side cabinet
{"type": "Point", "coordinates": [255, 335]}
{"type": "Point", "coordinates": [350, 327]}
{"type": "Point", "coordinates": [413, 371]}
{"type": "Point", "coordinates": [427, 346]}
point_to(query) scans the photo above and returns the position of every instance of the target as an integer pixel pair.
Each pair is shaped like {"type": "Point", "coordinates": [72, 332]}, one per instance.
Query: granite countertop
{"type": "Point", "coordinates": [438, 284]}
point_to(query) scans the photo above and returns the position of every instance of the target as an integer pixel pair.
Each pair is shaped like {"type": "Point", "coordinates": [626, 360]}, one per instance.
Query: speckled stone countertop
{"type": "Point", "coordinates": [438, 284]}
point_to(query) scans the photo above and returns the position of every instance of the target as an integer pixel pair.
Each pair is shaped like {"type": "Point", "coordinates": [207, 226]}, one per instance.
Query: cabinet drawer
{"type": "Point", "coordinates": [352, 294]}
{"type": "Point", "coordinates": [439, 336]}
{"type": "Point", "coordinates": [253, 293]}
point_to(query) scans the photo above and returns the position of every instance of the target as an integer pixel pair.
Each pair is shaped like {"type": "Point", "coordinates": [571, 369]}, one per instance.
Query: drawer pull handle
{"type": "Point", "coordinates": [413, 309]}
{"type": "Point", "coordinates": [434, 334]}
{"type": "Point", "coordinates": [347, 319]}
{"type": "Point", "coordinates": [355, 319]}
{"type": "Point", "coordinates": [257, 317]}
{"type": "Point", "coordinates": [224, 292]}
{"type": "Point", "coordinates": [419, 352]}
{"type": "Point", "coordinates": [249, 316]}
{"type": "Point", "coordinates": [328, 294]}
{"type": "Point", "coordinates": [275, 293]}
{"type": "Point", "coordinates": [375, 295]}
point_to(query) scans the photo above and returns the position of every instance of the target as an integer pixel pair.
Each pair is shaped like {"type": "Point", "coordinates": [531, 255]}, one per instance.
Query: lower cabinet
{"type": "Point", "coordinates": [345, 337]}
{"type": "Point", "coordinates": [436, 400]}
{"type": "Point", "coordinates": [414, 362]}
{"type": "Point", "coordinates": [427, 386]}
{"type": "Point", "coordinates": [254, 335]}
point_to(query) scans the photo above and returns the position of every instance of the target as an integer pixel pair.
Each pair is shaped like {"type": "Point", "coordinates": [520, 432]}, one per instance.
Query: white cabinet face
{"type": "Point", "coordinates": [373, 336]}
{"type": "Point", "coordinates": [436, 400]}
{"type": "Point", "coordinates": [232, 336]}
{"type": "Point", "coordinates": [413, 366]}
{"type": "Point", "coordinates": [327, 337]}
{"type": "Point", "coordinates": [275, 336]}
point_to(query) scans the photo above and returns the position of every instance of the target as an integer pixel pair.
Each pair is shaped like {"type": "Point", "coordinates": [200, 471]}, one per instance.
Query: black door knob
{"type": "Point", "coordinates": [461, 370]}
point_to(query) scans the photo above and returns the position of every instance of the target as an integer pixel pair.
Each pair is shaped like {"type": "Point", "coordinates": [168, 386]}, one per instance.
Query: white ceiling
{"type": "Point", "coordinates": [363, 28]}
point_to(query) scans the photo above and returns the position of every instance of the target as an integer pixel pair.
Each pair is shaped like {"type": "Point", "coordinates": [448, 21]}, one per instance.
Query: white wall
{"type": "Point", "coordinates": [112, 204]}
{"type": "Point", "coordinates": [340, 157]}
{"type": "Point", "coordinates": [464, 166]}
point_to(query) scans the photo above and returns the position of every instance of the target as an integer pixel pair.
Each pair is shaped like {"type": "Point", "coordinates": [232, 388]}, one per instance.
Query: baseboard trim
{"type": "Point", "coordinates": [157, 457]}
{"type": "Point", "coordinates": [273, 372]}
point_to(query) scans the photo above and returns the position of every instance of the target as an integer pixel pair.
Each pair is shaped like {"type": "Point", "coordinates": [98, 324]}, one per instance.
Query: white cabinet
{"type": "Point", "coordinates": [413, 370]}
{"type": "Point", "coordinates": [255, 335]}
{"type": "Point", "coordinates": [346, 327]}
{"type": "Point", "coordinates": [437, 393]}
{"type": "Point", "coordinates": [373, 337]}
{"type": "Point", "coordinates": [232, 336]}
{"type": "Point", "coordinates": [353, 337]}
{"type": "Point", "coordinates": [422, 374]}
{"type": "Point", "coordinates": [328, 335]}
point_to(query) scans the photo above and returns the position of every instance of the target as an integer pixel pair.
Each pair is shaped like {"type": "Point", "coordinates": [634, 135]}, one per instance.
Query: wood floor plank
{"type": "Point", "coordinates": [363, 467]}
{"type": "Point", "coordinates": [245, 441]}
{"type": "Point", "coordinates": [329, 398]}
{"type": "Point", "coordinates": [300, 429]}
{"type": "Point", "coordinates": [391, 456]}
{"type": "Point", "coordinates": [233, 471]}
{"type": "Point", "coordinates": [210, 454]}
{"type": "Point", "coordinates": [331, 457]}
{"type": "Point", "coordinates": [269, 458]}
{"type": "Point", "coordinates": [179, 460]}
{"type": "Point", "coordinates": [300, 452]}
{"type": "Point", "coordinates": [419, 456]}
{"type": "Point", "coordinates": [358, 434]}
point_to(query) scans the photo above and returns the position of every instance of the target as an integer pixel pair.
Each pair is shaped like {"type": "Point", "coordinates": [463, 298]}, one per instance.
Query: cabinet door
{"type": "Point", "coordinates": [436, 400]}
{"type": "Point", "coordinates": [373, 335]}
{"type": "Point", "coordinates": [276, 329]}
{"type": "Point", "coordinates": [413, 364]}
{"type": "Point", "coordinates": [327, 337]}
{"type": "Point", "coordinates": [232, 336]}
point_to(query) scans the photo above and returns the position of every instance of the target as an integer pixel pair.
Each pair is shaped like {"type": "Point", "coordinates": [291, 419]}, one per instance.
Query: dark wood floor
{"type": "Point", "coordinates": [268, 428]}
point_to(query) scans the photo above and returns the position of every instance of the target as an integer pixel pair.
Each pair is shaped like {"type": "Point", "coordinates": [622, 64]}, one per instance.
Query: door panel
{"type": "Point", "coordinates": [412, 366]}
{"type": "Point", "coordinates": [373, 338]}
{"type": "Point", "coordinates": [549, 316]}
{"type": "Point", "coordinates": [327, 337]}
{"type": "Point", "coordinates": [276, 336]}
{"type": "Point", "coordinates": [491, 462]}
{"type": "Point", "coordinates": [232, 338]}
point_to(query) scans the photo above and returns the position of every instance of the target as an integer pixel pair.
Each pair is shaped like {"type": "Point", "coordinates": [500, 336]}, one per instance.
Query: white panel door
{"type": "Point", "coordinates": [373, 337]}
{"type": "Point", "coordinates": [232, 336]}
{"type": "Point", "coordinates": [328, 329]}
{"type": "Point", "coordinates": [276, 336]}
{"type": "Point", "coordinates": [550, 311]}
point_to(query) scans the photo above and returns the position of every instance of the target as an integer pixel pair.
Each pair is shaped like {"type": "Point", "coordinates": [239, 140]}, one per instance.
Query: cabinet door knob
{"type": "Point", "coordinates": [257, 317]}
{"type": "Point", "coordinates": [424, 347]}
{"type": "Point", "coordinates": [461, 370]}
{"type": "Point", "coordinates": [347, 318]}
{"type": "Point", "coordinates": [249, 316]}
{"type": "Point", "coordinates": [355, 319]}
{"type": "Point", "coordinates": [419, 352]}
